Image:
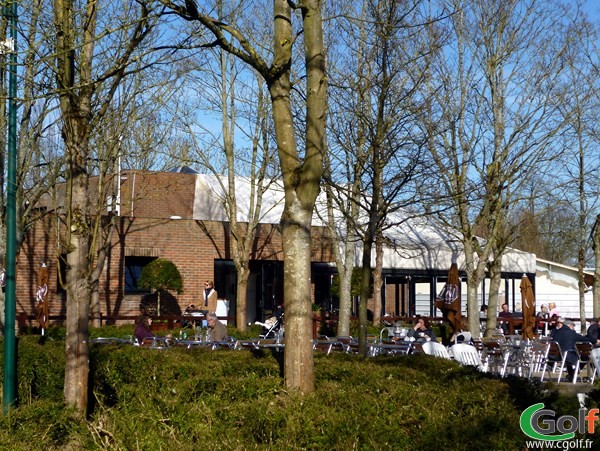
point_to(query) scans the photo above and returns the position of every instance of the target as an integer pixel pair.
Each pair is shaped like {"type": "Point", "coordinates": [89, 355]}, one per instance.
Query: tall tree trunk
{"type": "Point", "coordinates": [365, 291]}
{"type": "Point", "coordinates": [596, 286]}
{"type": "Point", "coordinates": [299, 364]}
{"type": "Point", "coordinates": [378, 281]}
{"type": "Point", "coordinates": [345, 307]}
{"type": "Point", "coordinates": [76, 37]}
{"type": "Point", "coordinates": [582, 226]}
{"type": "Point", "coordinates": [495, 282]}
{"type": "Point", "coordinates": [243, 275]}
{"type": "Point", "coordinates": [78, 288]}
{"type": "Point", "coordinates": [301, 181]}
{"type": "Point", "coordinates": [301, 175]}
{"type": "Point", "coordinates": [475, 272]}
{"type": "Point", "coordinates": [75, 105]}
{"type": "Point", "coordinates": [77, 338]}
{"type": "Point", "coordinates": [344, 249]}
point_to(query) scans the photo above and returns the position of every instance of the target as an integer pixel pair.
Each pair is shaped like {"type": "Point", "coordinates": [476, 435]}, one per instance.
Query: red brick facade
{"type": "Point", "coordinates": [147, 228]}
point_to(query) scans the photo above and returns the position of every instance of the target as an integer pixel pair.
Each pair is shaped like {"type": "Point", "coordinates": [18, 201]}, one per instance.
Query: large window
{"type": "Point", "coordinates": [133, 270]}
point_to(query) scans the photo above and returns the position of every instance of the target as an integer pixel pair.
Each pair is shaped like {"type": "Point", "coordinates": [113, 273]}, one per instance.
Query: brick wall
{"type": "Point", "coordinates": [191, 245]}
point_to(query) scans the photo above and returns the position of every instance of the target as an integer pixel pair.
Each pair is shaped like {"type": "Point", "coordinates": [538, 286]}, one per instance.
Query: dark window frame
{"type": "Point", "coordinates": [133, 270]}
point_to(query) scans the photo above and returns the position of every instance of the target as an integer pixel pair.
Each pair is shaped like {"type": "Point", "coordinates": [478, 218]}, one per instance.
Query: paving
{"type": "Point", "coordinates": [567, 388]}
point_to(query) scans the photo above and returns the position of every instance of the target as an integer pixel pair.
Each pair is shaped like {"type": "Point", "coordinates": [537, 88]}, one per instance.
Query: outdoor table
{"type": "Point", "coordinates": [194, 343]}
{"type": "Point", "coordinates": [329, 345]}
{"type": "Point", "coordinates": [194, 317]}
{"type": "Point", "coordinates": [493, 354]}
{"type": "Point", "coordinates": [323, 345]}
{"type": "Point", "coordinates": [349, 344]}
{"type": "Point", "coordinates": [278, 345]}
{"type": "Point", "coordinates": [157, 342]}
{"type": "Point", "coordinates": [516, 357]}
{"type": "Point", "coordinates": [399, 348]}
{"type": "Point", "coordinates": [112, 340]}
{"type": "Point", "coordinates": [224, 344]}
{"type": "Point", "coordinates": [246, 344]}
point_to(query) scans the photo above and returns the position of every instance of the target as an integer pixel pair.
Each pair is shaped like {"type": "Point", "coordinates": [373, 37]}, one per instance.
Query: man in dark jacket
{"type": "Point", "coordinates": [593, 332]}
{"type": "Point", "coordinates": [566, 338]}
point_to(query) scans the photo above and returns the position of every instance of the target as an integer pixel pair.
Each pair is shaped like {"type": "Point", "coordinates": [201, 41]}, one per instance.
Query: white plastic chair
{"type": "Point", "coordinates": [595, 361]}
{"type": "Point", "coordinates": [467, 355]}
{"type": "Point", "coordinates": [435, 349]}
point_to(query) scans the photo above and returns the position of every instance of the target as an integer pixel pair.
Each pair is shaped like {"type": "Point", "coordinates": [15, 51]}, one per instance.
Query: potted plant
{"type": "Point", "coordinates": [161, 275]}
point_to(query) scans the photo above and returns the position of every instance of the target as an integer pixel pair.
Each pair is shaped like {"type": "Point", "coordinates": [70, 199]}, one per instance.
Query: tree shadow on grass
{"type": "Point", "coordinates": [276, 353]}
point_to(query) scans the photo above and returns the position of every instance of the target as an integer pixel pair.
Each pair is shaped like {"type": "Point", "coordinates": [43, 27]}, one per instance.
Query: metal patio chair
{"type": "Point", "coordinates": [584, 352]}
{"type": "Point", "coordinates": [556, 357]}
{"type": "Point", "coordinates": [538, 356]}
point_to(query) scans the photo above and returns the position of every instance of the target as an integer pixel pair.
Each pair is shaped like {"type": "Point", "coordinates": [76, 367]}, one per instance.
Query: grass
{"type": "Point", "coordinates": [183, 399]}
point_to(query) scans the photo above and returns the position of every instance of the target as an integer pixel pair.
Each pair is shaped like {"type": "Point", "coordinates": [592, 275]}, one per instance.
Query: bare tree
{"type": "Point", "coordinates": [495, 112]}
{"type": "Point", "coordinates": [40, 163]}
{"type": "Point", "coordinates": [346, 158]}
{"type": "Point", "coordinates": [301, 170]}
{"type": "Point", "coordinates": [595, 238]}
{"type": "Point", "coordinates": [580, 111]}
{"type": "Point", "coordinates": [90, 63]}
{"type": "Point", "coordinates": [237, 95]}
{"type": "Point", "coordinates": [378, 149]}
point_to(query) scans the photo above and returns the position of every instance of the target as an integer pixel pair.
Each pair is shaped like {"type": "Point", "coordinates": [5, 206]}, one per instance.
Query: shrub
{"type": "Point", "coordinates": [161, 274]}
{"type": "Point", "coordinates": [144, 398]}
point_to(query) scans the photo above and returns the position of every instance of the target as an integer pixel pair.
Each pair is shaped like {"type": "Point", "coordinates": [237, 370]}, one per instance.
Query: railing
{"type": "Point", "coordinates": [25, 320]}
{"type": "Point", "coordinates": [319, 319]}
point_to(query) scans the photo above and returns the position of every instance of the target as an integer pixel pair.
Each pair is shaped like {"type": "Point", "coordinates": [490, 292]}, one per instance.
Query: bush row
{"type": "Point", "coordinates": [144, 398]}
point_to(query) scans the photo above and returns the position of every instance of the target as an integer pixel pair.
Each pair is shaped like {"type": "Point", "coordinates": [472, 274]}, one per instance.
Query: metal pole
{"type": "Point", "coordinates": [10, 340]}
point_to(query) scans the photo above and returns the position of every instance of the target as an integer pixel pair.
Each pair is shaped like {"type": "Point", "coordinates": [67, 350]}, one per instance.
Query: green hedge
{"type": "Point", "coordinates": [183, 399]}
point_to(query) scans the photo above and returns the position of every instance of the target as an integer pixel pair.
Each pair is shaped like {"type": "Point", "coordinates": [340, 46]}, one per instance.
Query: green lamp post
{"type": "Point", "coordinates": [10, 340]}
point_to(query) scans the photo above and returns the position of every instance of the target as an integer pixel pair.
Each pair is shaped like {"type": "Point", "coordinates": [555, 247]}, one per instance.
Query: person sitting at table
{"type": "Point", "coordinates": [518, 313]}
{"type": "Point", "coordinates": [421, 331]}
{"type": "Point", "coordinates": [560, 321]}
{"type": "Point", "coordinates": [217, 330]}
{"type": "Point", "coordinates": [541, 317]}
{"type": "Point", "coordinates": [483, 317]}
{"type": "Point", "coordinates": [566, 336]}
{"type": "Point", "coordinates": [553, 313]}
{"type": "Point", "coordinates": [142, 328]}
{"type": "Point", "coordinates": [505, 314]}
{"type": "Point", "coordinates": [593, 332]}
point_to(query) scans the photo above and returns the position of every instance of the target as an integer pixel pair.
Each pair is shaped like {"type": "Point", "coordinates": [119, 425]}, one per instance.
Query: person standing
{"type": "Point", "coordinates": [210, 297]}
